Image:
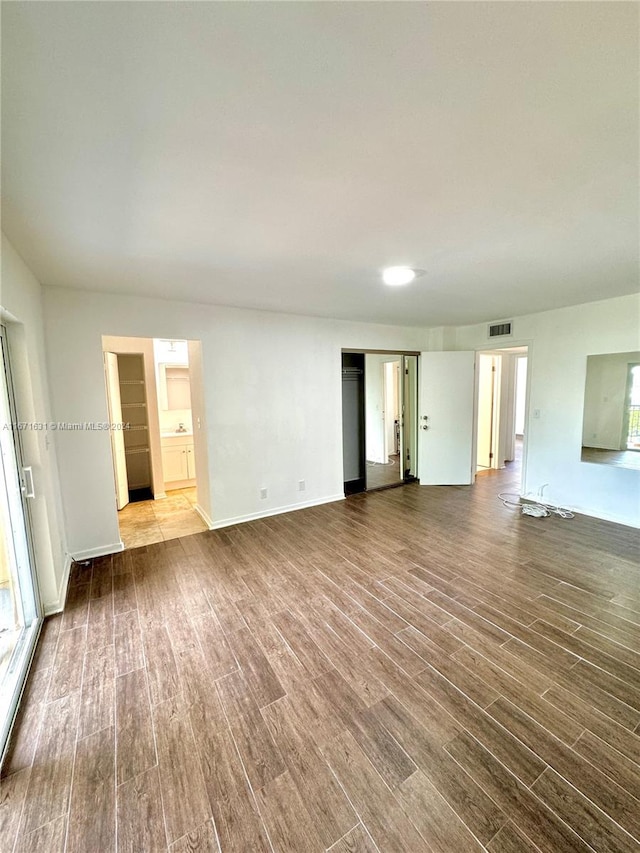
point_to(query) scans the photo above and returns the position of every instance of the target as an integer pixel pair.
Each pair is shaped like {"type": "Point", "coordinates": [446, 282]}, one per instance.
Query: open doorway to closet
{"type": "Point", "coordinates": [501, 377]}
{"type": "Point", "coordinates": [159, 456]}
{"type": "Point", "coordinates": [379, 419]}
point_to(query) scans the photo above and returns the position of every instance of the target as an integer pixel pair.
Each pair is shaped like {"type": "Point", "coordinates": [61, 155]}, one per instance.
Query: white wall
{"type": "Point", "coordinates": [21, 297]}
{"type": "Point", "coordinates": [560, 342]}
{"type": "Point", "coordinates": [200, 431]}
{"type": "Point", "coordinates": [507, 417]}
{"type": "Point", "coordinates": [521, 394]}
{"type": "Point", "coordinates": [605, 400]}
{"type": "Point", "coordinates": [272, 400]}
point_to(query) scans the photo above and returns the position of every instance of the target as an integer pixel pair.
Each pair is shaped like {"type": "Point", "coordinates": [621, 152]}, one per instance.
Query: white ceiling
{"type": "Point", "coordinates": [278, 155]}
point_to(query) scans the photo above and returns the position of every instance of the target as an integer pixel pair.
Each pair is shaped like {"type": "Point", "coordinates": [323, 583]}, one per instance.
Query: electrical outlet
{"type": "Point", "coordinates": [301, 485]}
{"type": "Point", "coordinates": [263, 494]}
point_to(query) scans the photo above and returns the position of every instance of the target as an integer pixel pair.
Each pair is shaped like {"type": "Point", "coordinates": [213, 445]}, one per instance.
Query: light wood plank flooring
{"type": "Point", "coordinates": [420, 669]}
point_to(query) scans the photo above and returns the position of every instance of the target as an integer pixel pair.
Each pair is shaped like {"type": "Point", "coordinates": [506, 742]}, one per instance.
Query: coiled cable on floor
{"type": "Point", "coordinates": [534, 509]}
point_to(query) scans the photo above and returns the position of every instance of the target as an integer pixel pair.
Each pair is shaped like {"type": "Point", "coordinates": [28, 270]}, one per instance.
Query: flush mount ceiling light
{"type": "Point", "coordinates": [399, 275]}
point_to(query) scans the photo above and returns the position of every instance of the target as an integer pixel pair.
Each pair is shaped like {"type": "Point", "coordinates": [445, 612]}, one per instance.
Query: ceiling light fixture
{"type": "Point", "coordinates": [398, 275]}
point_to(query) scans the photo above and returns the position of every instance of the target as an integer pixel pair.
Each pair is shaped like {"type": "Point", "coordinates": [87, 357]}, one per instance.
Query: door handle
{"type": "Point", "coordinates": [27, 487]}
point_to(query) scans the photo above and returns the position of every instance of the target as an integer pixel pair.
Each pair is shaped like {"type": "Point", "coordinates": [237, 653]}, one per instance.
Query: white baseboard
{"type": "Point", "coordinates": [203, 515]}
{"type": "Point", "coordinates": [58, 606]}
{"type": "Point", "coordinates": [100, 551]}
{"type": "Point", "coordinates": [159, 495]}
{"type": "Point", "coordinates": [254, 516]}
{"type": "Point", "coordinates": [176, 485]}
{"type": "Point", "coordinates": [603, 516]}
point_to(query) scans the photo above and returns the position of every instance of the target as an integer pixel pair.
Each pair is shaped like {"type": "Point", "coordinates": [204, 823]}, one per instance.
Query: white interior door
{"type": "Point", "coordinates": [117, 435]}
{"type": "Point", "coordinates": [446, 406]}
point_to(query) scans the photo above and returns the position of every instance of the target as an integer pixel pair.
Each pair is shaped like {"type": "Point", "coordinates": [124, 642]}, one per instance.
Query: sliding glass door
{"type": "Point", "coordinates": [20, 612]}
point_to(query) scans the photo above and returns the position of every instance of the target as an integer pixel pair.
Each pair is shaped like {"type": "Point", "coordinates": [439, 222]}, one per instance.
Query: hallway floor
{"type": "Point", "coordinates": [148, 522]}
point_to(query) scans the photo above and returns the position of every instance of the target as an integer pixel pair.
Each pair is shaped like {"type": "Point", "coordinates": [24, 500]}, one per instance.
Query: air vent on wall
{"type": "Point", "coordinates": [504, 329]}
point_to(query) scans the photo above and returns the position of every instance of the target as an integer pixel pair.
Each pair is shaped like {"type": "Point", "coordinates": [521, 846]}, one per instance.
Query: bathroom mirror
{"type": "Point", "coordinates": [174, 389]}
{"type": "Point", "coordinates": [611, 422]}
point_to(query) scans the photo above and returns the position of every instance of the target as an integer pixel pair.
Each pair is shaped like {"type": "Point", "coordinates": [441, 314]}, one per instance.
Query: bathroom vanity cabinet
{"type": "Point", "coordinates": [178, 460]}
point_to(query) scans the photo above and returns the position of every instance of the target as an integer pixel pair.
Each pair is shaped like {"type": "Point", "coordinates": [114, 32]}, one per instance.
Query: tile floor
{"type": "Point", "coordinates": [147, 522]}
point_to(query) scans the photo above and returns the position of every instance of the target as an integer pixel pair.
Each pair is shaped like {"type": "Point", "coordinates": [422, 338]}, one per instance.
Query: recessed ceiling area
{"type": "Point", "coordinates": [279, 155]}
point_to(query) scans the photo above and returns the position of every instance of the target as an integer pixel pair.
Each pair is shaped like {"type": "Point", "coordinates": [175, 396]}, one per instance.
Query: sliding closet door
{"type": "Point", "coordinates": [20, 612]}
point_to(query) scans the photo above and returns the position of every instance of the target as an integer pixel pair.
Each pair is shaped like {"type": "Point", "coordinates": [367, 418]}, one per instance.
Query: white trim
{"type": "Point", "coordinates": [100, 551]}
{"type": "Point", "coordinates": [79, 557]}
{"type": "Point", "coordinates": [613, 519]}
{"type": "Point", "coordinates": [159, 495]}
{"type": "Point", "coordinates": [58, 606]}
{"type": "Point", "coordinates": [203, 515]}
{"type": "Point", "coordinates": [174, 485]}
{"type": "Point", "coordinates": [240, 519]}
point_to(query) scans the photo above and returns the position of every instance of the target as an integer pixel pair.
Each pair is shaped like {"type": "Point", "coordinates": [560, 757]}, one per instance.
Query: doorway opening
{"type": "Point", "coordinates": [159, 453]}
{"type": "Point", "coordinates": [379, 412]}
{"type": "Point", "coordinates": [20, 609]}
{"type": "Point", "coordinates": [501, 403]}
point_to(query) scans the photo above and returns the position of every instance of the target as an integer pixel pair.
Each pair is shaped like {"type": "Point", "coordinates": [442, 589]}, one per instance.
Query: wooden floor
{"type": "Point", "coordinates": [419, 669]}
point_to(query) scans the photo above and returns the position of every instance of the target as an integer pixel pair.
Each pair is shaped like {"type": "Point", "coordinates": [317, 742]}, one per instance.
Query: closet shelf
{"type": "Point", "coordinates": [129, 450]}
{"type": "Point", "coordinates": [132, 382]}
{"type": "Point", "coordinates": [133, 405]}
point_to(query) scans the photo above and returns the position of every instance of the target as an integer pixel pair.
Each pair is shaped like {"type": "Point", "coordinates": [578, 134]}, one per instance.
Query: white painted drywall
{"type": "Point", "coordinates": [200, 432]}
{"type": "Point", "coordinates": [560, 342]}
{"type": "Point", "coordinates": [20, 296]}
{"type": "Point", "coordinates": [272, 396]}
{"type": "Point", "coordinates": [507, 417]}
{"type": "Point", "coordinates": [521, 393]}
